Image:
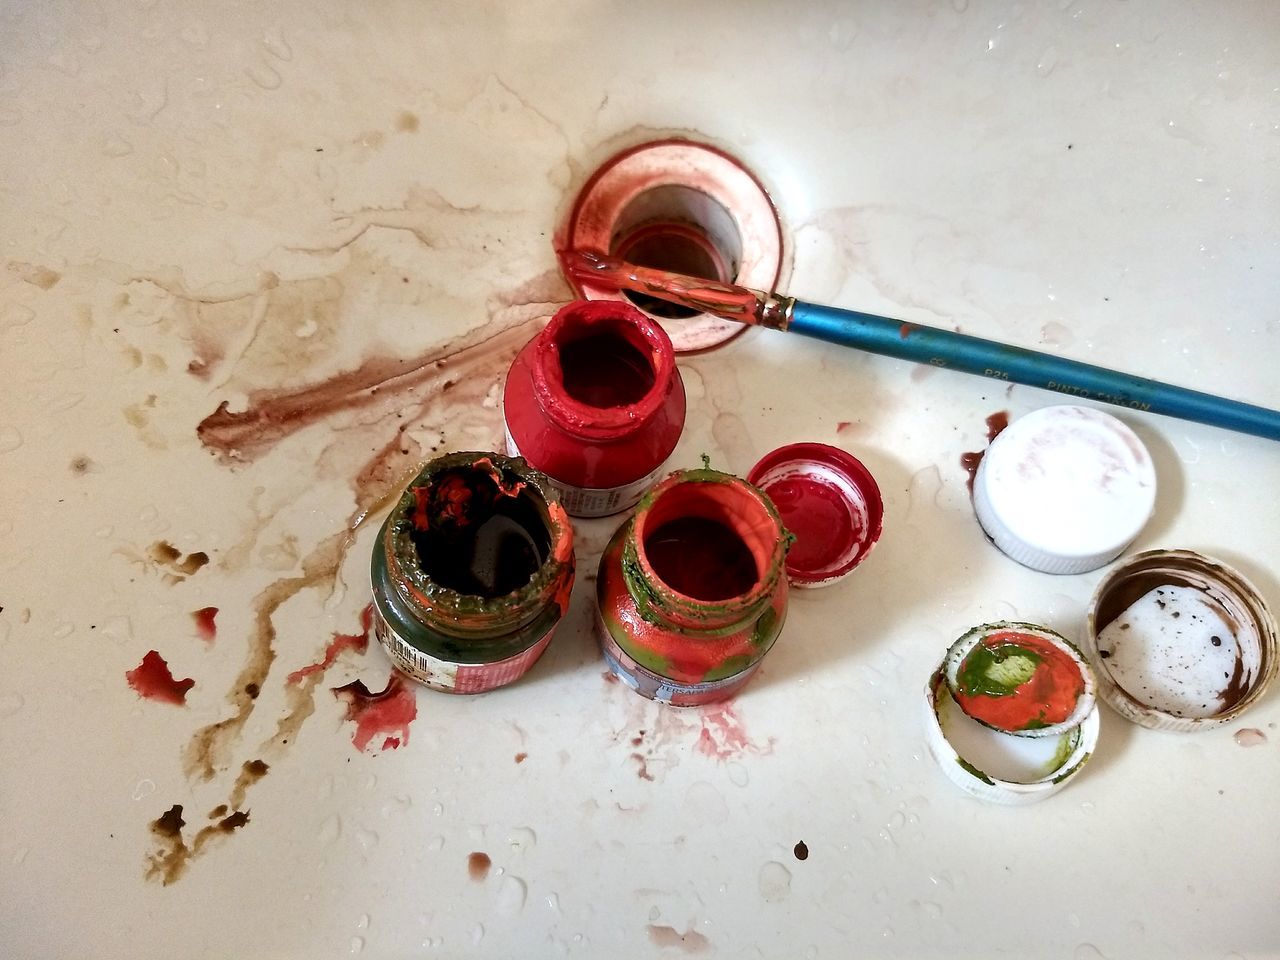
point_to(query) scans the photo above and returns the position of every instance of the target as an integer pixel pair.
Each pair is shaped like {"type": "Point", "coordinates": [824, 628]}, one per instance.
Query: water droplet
{"type": "Point", "coordinates": [363, 922]}
{"type": "Point", "coordinates": [118, 630]}
{"type": "Point", "coordinates": [897, 820]}
{"type": "Point", "coordinates": [116, 146]}
{"type": "Point", "coordinates": [477, 934]}
{"type": "Point", "coordinates": [366, 838]}
{"type": "Point", "coordinates": [1250, 737]}
{"type": "Point", "coordinates": [511, 895]}
{"type": "Point", "coordinates": [63, 630]}
{"type": "Point", "coordinates": [1087, 951]}
{"type": "Point", "coordinates": [933, 910]}
{"type": "Point", "coordinates": [265, 75]}
{"type": "Point", "coordinates": [1088, 807]}
{"type": "Point", "coordinates": [357, 944]}
{"type": "Point", "coordinates": [654, 914]}
{"type": "Point", "coordinates": [438, 809]}
{"type": "Point", "coordinates": [10, 439]}
{"type": "Point", "coordinates": [522, 839]}
{"type": "Point", "coordinates": [553, 902]}
{"type": "Point", "coordinates": [144, 788]}
{"type": "Point", "coordinates": [330, 829]}
{"type": "Point", "coordinates": [435, 844]}
{"type": "Point", "coordinates": [774, 882]}
{"type": "Point", "coordinates": [738, 774]}
{"type": "Point", "coordinates": [886, 933]}
{"type": "Point", "coordinates": [1048, 60]}
{"type": "Point", "coordinates": [1074, 920]}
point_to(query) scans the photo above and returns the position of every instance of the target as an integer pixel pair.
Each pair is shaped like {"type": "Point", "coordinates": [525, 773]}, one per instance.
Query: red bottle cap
{"type": "Point", "coordinates": [829, 501]}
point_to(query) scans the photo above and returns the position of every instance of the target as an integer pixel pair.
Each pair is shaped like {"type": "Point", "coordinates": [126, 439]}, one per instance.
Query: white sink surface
{"type": "Point", "coordinates": [295, 209]}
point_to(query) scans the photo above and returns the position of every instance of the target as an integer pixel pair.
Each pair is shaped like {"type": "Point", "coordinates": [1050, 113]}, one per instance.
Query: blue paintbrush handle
{"type": "Point", "coordinates": [956, 351]}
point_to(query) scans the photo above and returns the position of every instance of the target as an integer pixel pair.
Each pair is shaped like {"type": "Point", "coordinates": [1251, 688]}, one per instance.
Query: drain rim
{"type": "Point", "coordinates": [676, 161]}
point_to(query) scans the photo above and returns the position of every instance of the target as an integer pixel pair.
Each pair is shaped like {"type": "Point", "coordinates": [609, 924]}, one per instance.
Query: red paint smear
{"type": "Point", "coordinates": [904, 331]}
{"type": "Point", "coordinates": [843, 425]}
{"type": "Point", "coordinates": [389, 712]}
{"type": "Point", "coordinates": [391, 743]}
{"type": "Point", "coordinates": [152, 679]}
{"type": "Point", "coordinates": [359, 642]}
{"type": "Point", "coordinates": [205, 627]}
{"type": "Point", "coordinates": [723, 736]}
{"type": "Point", "coordinates": [1048, 697]}
{"type": "Point", "coordinates": [970, 461]}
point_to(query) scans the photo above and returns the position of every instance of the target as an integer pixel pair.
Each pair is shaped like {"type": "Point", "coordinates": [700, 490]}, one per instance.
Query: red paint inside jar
{"type": "Point", "coordinates": [605, 370]}
{"type": "Point", "coordinates": [818, 514]}
{"type": "Point", "coordinates": [1049, 697]}
{"type": "Point", "coordinates": [701, 558]}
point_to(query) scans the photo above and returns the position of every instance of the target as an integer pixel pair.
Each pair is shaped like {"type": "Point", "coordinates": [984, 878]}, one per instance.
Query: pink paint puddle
{"type": "Point", "coordinates": [1250, 737]}
{"type": "Point", "coordinates": [359, 642]}
{"type": "Point", "coordinates": [152, 679]}
{"type": "Point", "coordinates": [386, 714]}
{"type": "Point", "coordinates": [723, 736]}
{"type": "Point", "coordinates": [205, 626]}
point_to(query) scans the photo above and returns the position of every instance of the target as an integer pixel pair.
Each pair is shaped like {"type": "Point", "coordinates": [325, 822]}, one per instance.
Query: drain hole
{"type": "Point", "coordinates": [681, 229]}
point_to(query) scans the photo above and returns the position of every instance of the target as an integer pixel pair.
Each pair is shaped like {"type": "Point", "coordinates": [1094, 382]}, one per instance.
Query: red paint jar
{"type": "Point", "coordinates": [595, 402]}
{"type": "Point", "coordinates": [691, 590]}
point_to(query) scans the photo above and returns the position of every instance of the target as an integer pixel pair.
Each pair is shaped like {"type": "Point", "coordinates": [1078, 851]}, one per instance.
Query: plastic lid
{"type": "Point", "coordinates": [1181, 641]}
{"type": "Point", "coordinates": [829, 501]}
{"type": "Point", "coordinates": [1064, 489]}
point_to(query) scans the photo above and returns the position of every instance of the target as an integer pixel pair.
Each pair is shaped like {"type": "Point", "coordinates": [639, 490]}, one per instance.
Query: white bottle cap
{"type": "Point", "coordinates": [1065, 489]}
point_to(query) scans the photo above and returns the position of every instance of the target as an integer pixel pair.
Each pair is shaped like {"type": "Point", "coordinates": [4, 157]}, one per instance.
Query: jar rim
{"type": "Point", "coordinates": [581, 318]}
{"type": "Point", "coordinates": [466, 612]}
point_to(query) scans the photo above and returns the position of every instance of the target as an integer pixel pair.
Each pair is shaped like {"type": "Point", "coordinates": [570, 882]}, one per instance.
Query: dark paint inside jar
{"type": "Point", "coordinates": [701, 558]}
{"type": "Point", "coordinates": [605, 370]}
{"type": "Point", "coordinates": [478, 540]}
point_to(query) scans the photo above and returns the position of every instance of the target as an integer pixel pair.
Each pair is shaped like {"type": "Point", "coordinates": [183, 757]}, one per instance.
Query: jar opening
{"type": "Point", "coordinates": [701, 558]}
{"type": "Point", "coordinates": [606, 366]}
{"type": "Point", "coordinates": [709, 541]}
{"type": "Point", "coordinates": [478, 531]}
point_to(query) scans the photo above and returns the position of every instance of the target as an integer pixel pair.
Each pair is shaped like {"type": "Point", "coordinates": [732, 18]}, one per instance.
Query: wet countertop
{"type": "Point", "coordinates": [257, 261]}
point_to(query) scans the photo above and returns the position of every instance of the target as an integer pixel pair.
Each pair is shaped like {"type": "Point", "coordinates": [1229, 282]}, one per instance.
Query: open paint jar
{"type": "Point", "coordinates": [596, 403]}
{"type": "Point", "coordinates": [472, 572]}
{"type": "Point", "coordinates": [1010, 715]}
{"type": "Point", "coordinates": [1180, 641]}
{"type": "Point", "coordinates": [691, 590]}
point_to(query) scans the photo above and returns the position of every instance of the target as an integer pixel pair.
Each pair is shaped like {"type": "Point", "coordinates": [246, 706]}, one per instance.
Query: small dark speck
{"type": "Point", "coordinates": [252, 690]}
{"type": "Point", "coordinates": [319, 149]}
{"type": "Point", "coordinates": [801, 851]}
{"type": "Point", "coordinates": [1108, 299]}
{"type": "Point", "coordinates": [521, 757]}
{"type": "Point", "coordinates": [1124, 626]}
{"type": "Point", "coordinates": [1104, 654]}
{"type": "Point", "coordinates": [1221, 792]}
{"type": "Point", "coordinates": [1160, 604]}
{"type": "Point", "coordinates": [1176, 614]}
{"type": "Point", "coordinates": [404, 279]}
{"type": "Point", "coordinates": [1216, 641]}
{"type": "Point", "coordinates": [1069, 146]}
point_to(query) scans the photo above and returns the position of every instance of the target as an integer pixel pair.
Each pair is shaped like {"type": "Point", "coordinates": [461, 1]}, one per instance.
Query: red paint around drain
{"type": "Point", "coordinates": [387, 714]}
{"type": "Point", "coordinates": [205, 627]}
{"type": "Point", "coordinates": [152, 679]}
{"type": "Point", "coordinates": [818, 514]}
{"type": "Point", "coordinates": [359, 642]}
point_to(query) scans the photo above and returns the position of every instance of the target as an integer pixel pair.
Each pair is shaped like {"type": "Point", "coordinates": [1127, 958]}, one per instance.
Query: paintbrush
{"type": "Point", "coordinates": [923, 344]}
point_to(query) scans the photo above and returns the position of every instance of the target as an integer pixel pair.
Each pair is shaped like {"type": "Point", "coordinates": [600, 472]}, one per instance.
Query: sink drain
{"type": "Point", "coordinates": [681, 206]}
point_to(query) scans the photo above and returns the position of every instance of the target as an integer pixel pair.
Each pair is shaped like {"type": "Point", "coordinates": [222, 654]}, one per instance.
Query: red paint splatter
{"type": "Point", "coordinates": [723, 736]}
{"type": "Point", "coordinates": [904, 331]}
{"type": "Point", "coordinates": [389, 712]}
{"type": "Point", "coordinates": [609, 676]}
{"type": "Point", "coordinates": [391, 743]}
{"type": "Point", "coordinates": [359, 642]}
{"type": "Point", "coordinates": [205, 627]}
{"type": "Point", "coordinates": [843, 425]}
{"type": "Point", "coordinates": [521, 757]}
{"type": "Point", "coordinates": [152, 679]}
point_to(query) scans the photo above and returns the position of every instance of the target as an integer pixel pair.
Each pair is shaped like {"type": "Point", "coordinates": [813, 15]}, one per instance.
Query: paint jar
{"type": "Point", "coordinates": [471, 572]}
{"type": "Point", "coordinates": [595, 402]}
{"type": "Point", "coordinates": [691, 590]}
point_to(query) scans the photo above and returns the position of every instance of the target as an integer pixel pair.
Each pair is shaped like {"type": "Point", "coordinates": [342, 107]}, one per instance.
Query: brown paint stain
{"type": "Point", "coordinates": [81, 465]}
{"type": "Point", "coordinates": [996, 423]}
{"type": "Point", "coordinates": [478, 865]}
{"type": "Point", "coordinates": [521, 757]}
{"type": "Point", "coordinates": [219, 811]}
{"type": "Point", "coordinates": [34, 274]}
{"type": "Point", "coordinates": [801, 851]}
{"type": "Point", "coordinates": [407, 122]}
{"type": "Point", "coordinates": [691, 941]}
{"type": "Point", "coordinates": [169, 862]}
{"type": "Point", "coordinates": [165, 555]}
{"type": "Point", "coordinates": [642, 769]}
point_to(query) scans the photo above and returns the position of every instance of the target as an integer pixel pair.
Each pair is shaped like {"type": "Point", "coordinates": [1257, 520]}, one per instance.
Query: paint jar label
{"type": "Point", "coordinates": [663, 689]}
{"type": "Point", "coordinates": [594, 501]}
{"type": "Point", "coordinates": [455, 677]}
